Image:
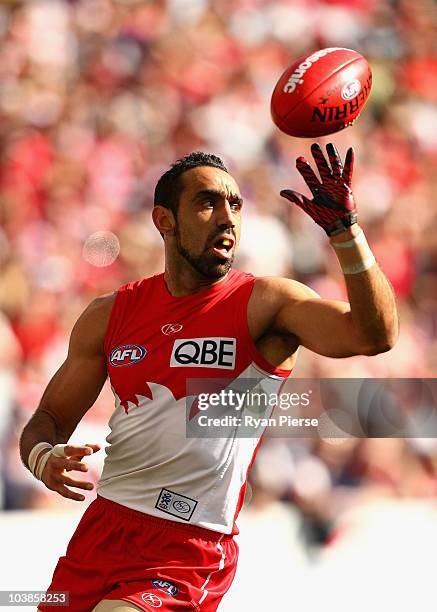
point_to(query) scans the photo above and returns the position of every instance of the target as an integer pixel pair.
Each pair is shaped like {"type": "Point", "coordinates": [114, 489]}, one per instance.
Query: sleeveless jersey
{"type": "Point", "coordinates": [154, 344]}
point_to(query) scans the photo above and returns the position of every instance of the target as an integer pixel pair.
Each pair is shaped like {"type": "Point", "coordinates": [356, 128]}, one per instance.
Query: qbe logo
{"type": "Point", "coordinates": [127, 354]}
{"type": "Point", "coordinates": [204, 353]}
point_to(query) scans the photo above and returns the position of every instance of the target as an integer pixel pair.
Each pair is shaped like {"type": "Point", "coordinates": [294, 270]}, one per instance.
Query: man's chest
{"type": "Point", "coordinates": [169, 350]}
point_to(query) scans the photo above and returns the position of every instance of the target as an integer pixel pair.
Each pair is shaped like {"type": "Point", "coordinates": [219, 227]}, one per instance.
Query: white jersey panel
{"type": "Point", "coordinates": [153, 467]}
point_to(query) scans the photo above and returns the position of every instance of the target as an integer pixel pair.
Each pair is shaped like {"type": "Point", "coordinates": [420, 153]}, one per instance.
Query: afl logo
{"type": "Point", "coordinates": [171, 328]}
{"type": "Point", "coordinates": [350, 90]}
{"type": "Point", "coordinates": [128, 354]}
{"type": "Point", "coordinates": [181, 506]}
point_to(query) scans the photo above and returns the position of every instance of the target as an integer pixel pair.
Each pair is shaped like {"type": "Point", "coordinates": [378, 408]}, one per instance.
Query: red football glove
{"type": "Point", "coordinates": [332, 206]}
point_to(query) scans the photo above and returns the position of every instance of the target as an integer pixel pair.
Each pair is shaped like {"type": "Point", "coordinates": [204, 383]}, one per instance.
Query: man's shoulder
{"type": "Point", "coordinates": [277, 287]}
{"type": "Point", "coordinates": [90, 328]}
{"type": "Point", "coordinates": [100, 306]}
{"type": "Point", "coordinates": [139, 284]}
{"type": "Point", "coordinates": [269, 296]}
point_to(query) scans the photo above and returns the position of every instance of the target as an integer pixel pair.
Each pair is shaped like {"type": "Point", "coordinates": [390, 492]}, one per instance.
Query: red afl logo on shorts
{"type": "Point", "coordinates": [127, 354]}
{"type": "Point", "coordinates": [152, 599]}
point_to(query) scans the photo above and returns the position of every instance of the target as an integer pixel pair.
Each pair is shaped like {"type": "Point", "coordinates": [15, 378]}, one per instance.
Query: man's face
{"type": "Point", "coordinates": [208, 220]}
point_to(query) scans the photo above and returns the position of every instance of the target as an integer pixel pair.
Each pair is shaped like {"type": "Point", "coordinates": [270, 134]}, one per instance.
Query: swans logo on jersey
{"type": "Point", "coordinates": [128, 354]}
{"type": "Point", "coordinates": [171, 328]}
{"type": "Point", "coordinates": [204, 353]}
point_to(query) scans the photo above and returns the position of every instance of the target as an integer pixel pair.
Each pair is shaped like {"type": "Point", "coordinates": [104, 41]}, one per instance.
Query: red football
{"type": "Point", "coordinates": [321, 93]}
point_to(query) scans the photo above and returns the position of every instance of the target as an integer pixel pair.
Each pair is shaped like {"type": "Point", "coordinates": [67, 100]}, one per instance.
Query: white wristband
{"type": "Point", "coordinates": [37, 466]}
{"type": "Point", "coordinates": [33, 455]}
{"type": "Point", "coordinates": [359, 267]}
{"type": "Point", "coordinates": [59, 450]}
{"type": "Point", "coordinates": [358, 250]}
{"type": "Point", "coordinates": [358, 239]}
{"type": "Point", "coordinates": [41, 465]}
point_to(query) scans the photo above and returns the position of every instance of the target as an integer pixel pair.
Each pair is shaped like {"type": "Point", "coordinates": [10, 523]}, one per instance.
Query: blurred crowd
{"type": "Point", "coordinates": [98, 97]}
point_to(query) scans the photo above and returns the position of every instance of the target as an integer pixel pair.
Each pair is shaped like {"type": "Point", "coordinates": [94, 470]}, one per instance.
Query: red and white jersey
{"type": "Point", "coordinates": [155, 343]}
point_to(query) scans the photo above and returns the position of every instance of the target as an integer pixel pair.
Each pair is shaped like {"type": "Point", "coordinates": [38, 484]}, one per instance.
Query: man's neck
{"type": "Point", "coordinates": [182, 281]}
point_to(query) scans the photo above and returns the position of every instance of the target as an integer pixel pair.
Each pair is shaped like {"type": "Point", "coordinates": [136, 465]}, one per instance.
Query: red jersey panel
{"type": "Point", "coordinates": [154, 344]}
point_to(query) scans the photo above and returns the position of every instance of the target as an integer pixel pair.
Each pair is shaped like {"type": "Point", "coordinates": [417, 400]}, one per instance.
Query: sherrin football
{"type": "Point", "coordinates": [321, 93]}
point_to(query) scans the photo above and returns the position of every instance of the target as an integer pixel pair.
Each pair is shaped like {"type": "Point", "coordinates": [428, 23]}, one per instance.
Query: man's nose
{"type": "Point", "coordinates": [225, 216]}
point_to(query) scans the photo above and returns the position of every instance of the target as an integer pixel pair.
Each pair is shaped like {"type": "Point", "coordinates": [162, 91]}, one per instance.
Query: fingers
{"type": "Point", "coordinates": [321, 163]}
{"type": "Point", "coordinates": [291, 196]}
{"type": "Point", "coordinates": [79, 484]}
{"type": "Point", "coordinates": [295, 198]}
{"type": "Point", "coordinates": [78, 449]}
{"type": "Point", "coordinates": [308, 175]}
{"type": "Point", "coordinates": [95, 447]}
{"type": "Point", "coordinates": [72, 459]}
{"type": "Point", "coordinates": [334, 160]}
{"type": "Point", "coordinates": [61, 463]}
{"type": "Point", "coordinates": [58, 482]}
{"type": "Point", "coordinates": [62, 490]}
{"type": "Point", "coordinates": [56, 479]}
{"type": "Point", "coordinates": [54, 475]}
{"type": "Point", "coordinates": [70, 465]}
{"type": "Point", "coordinates": [325, 171]}
{"type": "Point", "coordinates": [55, 467]}
{"type": "Point", "coordinates": [349, 166]}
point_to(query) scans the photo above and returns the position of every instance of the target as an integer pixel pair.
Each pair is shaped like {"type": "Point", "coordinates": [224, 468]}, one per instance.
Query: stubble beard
{"type": "Point", "coordinates": [206, 264]}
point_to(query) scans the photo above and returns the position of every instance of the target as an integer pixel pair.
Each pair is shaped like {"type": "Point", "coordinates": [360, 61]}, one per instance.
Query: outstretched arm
{"type": "Point", "coordinates": [71, 392]}
{"type": "Point", "coordinates": [368, 323]}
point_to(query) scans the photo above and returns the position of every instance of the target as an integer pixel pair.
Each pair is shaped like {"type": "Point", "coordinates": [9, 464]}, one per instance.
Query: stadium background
{"type": "Point", "coordinates": [96, 99]}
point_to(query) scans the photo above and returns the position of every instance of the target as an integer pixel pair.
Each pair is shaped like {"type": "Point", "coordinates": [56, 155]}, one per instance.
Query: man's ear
{"type": "Point", "coordinates": [164, 220]}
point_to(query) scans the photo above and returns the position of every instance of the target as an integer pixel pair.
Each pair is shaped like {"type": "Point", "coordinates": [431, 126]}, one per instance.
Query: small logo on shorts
{"type": "Point", "coordinates": [176, 504]}
{"type": "Point", "coordinates": [152, 599]}
{"type": "Point", "coordinates": [171, 328]}
{"type": "Point", "coordinates": [167, 587]}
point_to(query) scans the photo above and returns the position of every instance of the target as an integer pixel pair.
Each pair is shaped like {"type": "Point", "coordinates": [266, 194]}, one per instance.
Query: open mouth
{"type": "Point", "coordinates": [223, 246]}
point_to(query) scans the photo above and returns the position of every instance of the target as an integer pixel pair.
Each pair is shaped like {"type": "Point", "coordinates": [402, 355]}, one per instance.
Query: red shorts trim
{"type": "Point", "coordinates": [119, 553]}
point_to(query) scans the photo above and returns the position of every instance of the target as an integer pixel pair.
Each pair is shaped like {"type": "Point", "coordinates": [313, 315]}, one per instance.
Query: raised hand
{"type": "Point", "coordinates": [333, 206]}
